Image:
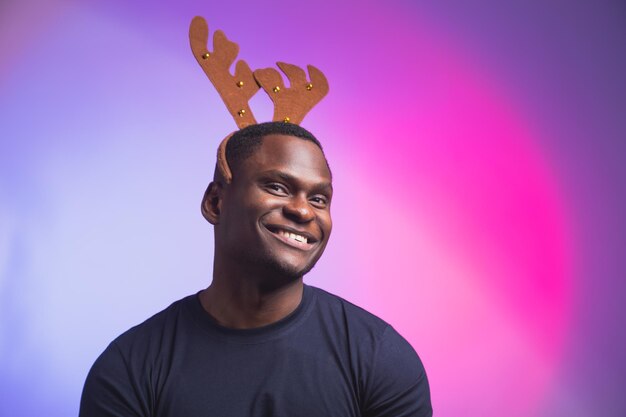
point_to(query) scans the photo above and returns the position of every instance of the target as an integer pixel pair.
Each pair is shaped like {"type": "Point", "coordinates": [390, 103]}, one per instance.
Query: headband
{"type": "Point", "coordinates": [291, 103]}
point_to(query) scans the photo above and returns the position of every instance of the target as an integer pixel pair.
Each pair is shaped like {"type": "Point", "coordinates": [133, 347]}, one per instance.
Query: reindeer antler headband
{"type": "Point", "coordinates": [290, 104]}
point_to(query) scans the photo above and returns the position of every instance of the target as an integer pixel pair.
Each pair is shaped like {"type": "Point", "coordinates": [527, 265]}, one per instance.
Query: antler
{"type": "Point", "coordinates": [235, 90]}
{"type": "Point", "coordinates": [293, 103]}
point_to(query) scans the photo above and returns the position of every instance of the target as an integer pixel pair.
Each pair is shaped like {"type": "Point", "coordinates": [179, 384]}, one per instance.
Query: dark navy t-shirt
{"type": "Point", "coordinates": [327, 358]}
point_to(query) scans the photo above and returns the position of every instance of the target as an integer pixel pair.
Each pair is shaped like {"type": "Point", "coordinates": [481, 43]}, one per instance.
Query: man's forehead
{"type": "Point", "coordinates": [293, 155]}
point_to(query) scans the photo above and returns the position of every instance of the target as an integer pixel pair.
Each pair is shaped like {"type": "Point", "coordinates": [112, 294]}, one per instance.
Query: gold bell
{"type": "Point", "coordinates": [276, 89]}
{"type": "Point", "coordinates": [239, 84]}
{"type": "Point", "coordinates": [309, 87]}
{"type": "Point", "coordinates": [241, 112]}
{"type": "Point", "coordinates": [205, 55]}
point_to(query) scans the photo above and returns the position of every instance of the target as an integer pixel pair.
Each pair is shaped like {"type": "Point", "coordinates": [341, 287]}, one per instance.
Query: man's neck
{"type": "Point", "coordinates": [242, 303]}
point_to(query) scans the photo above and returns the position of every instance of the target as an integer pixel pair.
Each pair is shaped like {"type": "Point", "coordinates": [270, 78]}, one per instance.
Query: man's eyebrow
{"type": "Point", "coordinates": [323, 186]}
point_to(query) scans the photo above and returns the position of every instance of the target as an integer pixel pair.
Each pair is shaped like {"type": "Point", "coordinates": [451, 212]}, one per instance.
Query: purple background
{"type": "Point", "coordinates": [477, 149]}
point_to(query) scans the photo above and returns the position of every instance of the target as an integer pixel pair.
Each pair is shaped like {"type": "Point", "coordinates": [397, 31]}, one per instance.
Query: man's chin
{"type": "Point", "coordinates": [276, 268]}
{"type": "Point", "coordinates": [290, 271]}
{"type": "Point", "coordinates": [280, 272]}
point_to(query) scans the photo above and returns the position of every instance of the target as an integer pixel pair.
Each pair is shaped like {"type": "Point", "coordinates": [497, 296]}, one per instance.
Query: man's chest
{"type": "Point", "coordinates": [255, 381]}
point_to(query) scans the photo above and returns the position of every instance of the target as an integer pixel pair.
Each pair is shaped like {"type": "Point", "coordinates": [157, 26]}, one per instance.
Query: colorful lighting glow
{"type": "Point", "coordinates": [454, 218]}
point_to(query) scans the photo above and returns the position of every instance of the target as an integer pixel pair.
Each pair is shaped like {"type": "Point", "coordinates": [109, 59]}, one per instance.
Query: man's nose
{"type": "Point", "coordinates": [298, 209]}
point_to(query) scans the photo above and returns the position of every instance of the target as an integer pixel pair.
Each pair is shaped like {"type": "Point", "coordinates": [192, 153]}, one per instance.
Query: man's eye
{"type": "Point", "coordinates": [275, 188]}
{"type": "Point", "coordinates": [319, 201]}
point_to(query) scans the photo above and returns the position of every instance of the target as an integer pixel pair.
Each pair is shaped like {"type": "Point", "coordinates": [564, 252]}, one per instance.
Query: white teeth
{"type": "Point", "coordinates": [293, 236]}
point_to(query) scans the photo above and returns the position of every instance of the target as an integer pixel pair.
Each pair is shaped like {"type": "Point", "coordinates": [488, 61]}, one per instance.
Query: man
{"type": "Point", "coordinates": [257, 341]}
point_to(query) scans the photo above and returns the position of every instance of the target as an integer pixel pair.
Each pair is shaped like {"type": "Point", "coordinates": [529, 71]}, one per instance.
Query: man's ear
{"type": "Point", "coordinates": [212, 202]}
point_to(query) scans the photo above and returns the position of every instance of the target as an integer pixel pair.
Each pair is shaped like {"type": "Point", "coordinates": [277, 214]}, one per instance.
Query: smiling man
{"type": "Point", "coordinates": [258, 341]}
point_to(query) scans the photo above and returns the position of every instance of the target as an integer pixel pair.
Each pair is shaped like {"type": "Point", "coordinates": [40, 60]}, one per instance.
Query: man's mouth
{"type": "Point", "coordinates": [296, 237]}
{"type": "Point", "coordinates": [301, 240]}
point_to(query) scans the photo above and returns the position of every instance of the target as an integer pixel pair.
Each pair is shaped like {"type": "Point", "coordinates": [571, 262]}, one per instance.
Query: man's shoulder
{"type": "Point", "coordinates": [155, 327]}
{"type": "Point", "coordinates": [371, 333]}
{"type": "Point", "coordinates": [389, 368]}
{"type": "Point", "coordinates": [356, 318]}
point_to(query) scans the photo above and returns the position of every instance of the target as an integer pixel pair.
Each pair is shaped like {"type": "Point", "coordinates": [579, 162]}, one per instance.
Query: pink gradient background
{"type": "Point", "coordinates": [478, 155]}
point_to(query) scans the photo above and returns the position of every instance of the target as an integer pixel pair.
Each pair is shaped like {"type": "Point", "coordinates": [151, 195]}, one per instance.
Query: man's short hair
{"type": "Point", "coordinates": [246, 141]}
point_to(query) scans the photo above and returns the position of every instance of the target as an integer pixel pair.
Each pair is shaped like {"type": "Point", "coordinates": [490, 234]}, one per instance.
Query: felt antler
{"type": "Point", "coordinates": [293, 103]}
{"type": "Point", "coordinates": [235, 90]}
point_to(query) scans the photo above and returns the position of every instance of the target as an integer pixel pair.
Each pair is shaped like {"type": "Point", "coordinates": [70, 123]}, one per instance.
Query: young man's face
{"type": "Point", "coordinates": [276, 212]}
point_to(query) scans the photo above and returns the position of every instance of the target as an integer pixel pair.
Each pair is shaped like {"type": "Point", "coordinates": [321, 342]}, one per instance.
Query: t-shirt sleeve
{"type": "Point", "coordinates": [111, 389]}
{"type": "Point", "coordinates": [397, 385]}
